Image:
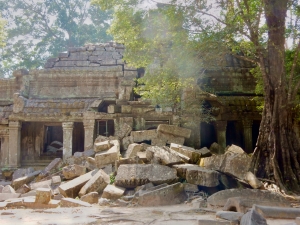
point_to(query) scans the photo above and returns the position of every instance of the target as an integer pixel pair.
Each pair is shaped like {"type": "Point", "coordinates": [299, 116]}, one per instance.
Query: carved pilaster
{"type": "Point", "coordinates": [67, 139]}
{"type": "Point", "coordinates": [247, 126]}
{"type": "Point", "coordinates": [4, 151]}
{"type": "Point", "coordinates": [89, 126]}
{"type": "Point", "coordinates": [14, 157]}
{"type": "Point", "coordinates": [220, 127]}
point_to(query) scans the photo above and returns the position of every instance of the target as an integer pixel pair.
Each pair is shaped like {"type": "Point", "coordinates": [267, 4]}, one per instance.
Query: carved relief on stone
{"type": "Point", "coordinates": [19, 103]}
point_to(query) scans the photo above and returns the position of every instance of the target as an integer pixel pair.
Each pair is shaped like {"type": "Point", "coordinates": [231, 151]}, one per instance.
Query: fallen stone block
{"type": "Point", "coordinates": [24, 189]}
{"type": "Point", "coordinates": [43, 195]}
{"type": "Point", "coordinates": [14, 202]}
{"type": "Point", "coordinates": [253, 218]}
{"type": "Point", "coordinates": [132, 150]}
{"type": "Point", "coordinates": [5, 196]}
{"type": "Point", "coordinates": [191, 188]}
{"type": "Point", "coordinates": [158, 142]}
{"type": "Point", "coordinates": [257, 196]}
{"type": "Point", "coordinates": [251, 179]}
{"type": "Point", "coordinates": [216, 149]}
{"type": "Point", "coordinates": [144, 135]}
{"type": "Point", "coordinates": [72, 187]}
{"type": "Point", "coordinates": [234, 162]}
{"type": "Point", "coordinates": [142, 156]}
{"type": "Point", "coordinates": [199, 203]}
{"type": "Point", "coordinates": [70, 202]}
{"type": "Point", "coordinates": [53, 167]}
{"type": "Point", "coordinates": [194, 156]}
{"type": "Point", "coordinates": [90, 163]}
{"type": "Point", "coordinates": [41, 184]}
{"type": "Point", "coordinates": [165, 154]}
{"type": "Point", "coordinates": [56, 180]}
{"type": "Point", "coordinates": [169, 138]}
{"type": "Point", "coordinates": [17, 183]}
{"type": "Point", "coordinates": [91, 197]}
{"type": "Point", "coordinates": [149, 188]}
{"type": "Point", "coordinates": [3, 205]}
{"type": "Point", "coordinates": [133, 160]}
{"type": "Point", "coordinates": [231, 216]}
{"type": "Point", "coordinates": [169, 195]}
{"type": "Point", "coordinates": [8, 189]}
{"type": "Point", "coordinates": [107, 157]}
{"type": "Point", "coordinates": [22, 172]}
{"type": "Point", "coordinates": [133, 175]}
{"type": "Point", "coordinates": [174, 130]}
{"type": "Point", "coordinates": [96, 184]}
{"type": "Point", "coordinates": [102, 146]}
{"type": "Point", "coordinates": [124, 129]}
{"type": "Point", "coordinates": [31, 193]}
{"type": "Point", "coordinates": [72, 171]}
{"type": "Point", "coordinates": [126, 141]}
{"type": "Point", "coordinates": [277, 212]}
{"type": "Point", "coordinates": [198, 175]}
{"type": "Point", "coordinates": [205, 152]}
{"type": "Point", "coordinates": [30, 202]}
{"type": "Point", "coordinates": [113, 192]}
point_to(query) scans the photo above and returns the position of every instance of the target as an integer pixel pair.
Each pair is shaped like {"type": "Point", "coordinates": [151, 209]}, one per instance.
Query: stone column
{"type": "Point", "coordinates": [14, 156]}
{"type": "Point", "coordinates": [220, 127]}
{"type": "Point", "coordinates": [89, 126]}
{"type": "Point", "coordinates": [4, 151]}
{"type": "Point", "coordinates": [67, 139]}
{"type": "Point", "coordinates": [247, 126]}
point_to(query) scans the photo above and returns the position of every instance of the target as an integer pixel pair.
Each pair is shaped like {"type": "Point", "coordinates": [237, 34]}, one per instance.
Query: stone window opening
{"type": "Point", "coordinates": [106, 128]}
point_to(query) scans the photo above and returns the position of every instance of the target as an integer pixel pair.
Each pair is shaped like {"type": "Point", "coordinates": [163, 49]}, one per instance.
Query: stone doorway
{"type": "Point", "coordinates": [106, 128]}
{"type": "Point", "coordinates": [208, 134]}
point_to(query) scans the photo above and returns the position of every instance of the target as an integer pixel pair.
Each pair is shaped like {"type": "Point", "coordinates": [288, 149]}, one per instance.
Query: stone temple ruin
{"type": "Point", "coordinates": [88, 91]}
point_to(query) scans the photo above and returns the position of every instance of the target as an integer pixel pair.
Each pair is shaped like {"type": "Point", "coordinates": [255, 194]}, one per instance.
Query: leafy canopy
{"type": "Point", "coordinates": [40, 29]}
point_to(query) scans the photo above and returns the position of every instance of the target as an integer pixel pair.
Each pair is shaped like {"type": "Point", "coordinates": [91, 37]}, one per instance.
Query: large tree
{"type": "Point", "coordinates": [252, 30]}
{"type": "Point", "coordinates": [42, 28]}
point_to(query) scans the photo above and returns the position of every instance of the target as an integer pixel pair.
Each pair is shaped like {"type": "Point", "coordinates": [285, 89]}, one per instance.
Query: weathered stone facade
{"type": "Point", "coordinates": [88, 91]}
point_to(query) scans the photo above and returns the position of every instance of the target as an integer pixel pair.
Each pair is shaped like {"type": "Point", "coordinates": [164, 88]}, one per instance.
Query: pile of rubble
{"type": "Point", "coordinates": [148, 175]}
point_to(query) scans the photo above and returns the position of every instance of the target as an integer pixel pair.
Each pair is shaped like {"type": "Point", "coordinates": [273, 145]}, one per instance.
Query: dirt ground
{"type": "Point", "coordinates": [167, 215]}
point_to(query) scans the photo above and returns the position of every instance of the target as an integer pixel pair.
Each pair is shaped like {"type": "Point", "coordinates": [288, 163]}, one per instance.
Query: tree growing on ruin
{"type": "Point", "coordinates": [39, 29]}
{"type": "Point", "coordinates": [256, 31]}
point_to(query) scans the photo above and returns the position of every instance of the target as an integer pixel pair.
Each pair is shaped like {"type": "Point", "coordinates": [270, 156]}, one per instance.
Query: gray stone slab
{"type": "Point", "coordinates": [168, 195]}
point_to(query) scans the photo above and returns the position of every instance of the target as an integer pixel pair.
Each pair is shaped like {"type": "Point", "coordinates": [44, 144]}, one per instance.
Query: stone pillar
{"type": "Point", "coordinates": [4, 151]}
{"type": "Point", "coordinates": [247, 126]}
{"type": "Point", "coordinates": [14, 157]}
{"type": "Point", "coordinates": [89, 126]}
{"type": "Point", "coordinates": [220, 127]}
{"type": "Point", "coordinates": [67, 139]}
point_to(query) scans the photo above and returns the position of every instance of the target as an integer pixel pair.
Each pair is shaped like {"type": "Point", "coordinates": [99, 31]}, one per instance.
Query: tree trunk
{"type": "Point", "coordinates": [276, 155]}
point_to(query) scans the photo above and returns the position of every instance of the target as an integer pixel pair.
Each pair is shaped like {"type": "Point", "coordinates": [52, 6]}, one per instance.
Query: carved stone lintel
{"type": "Point", "coordinates": [68, 125]}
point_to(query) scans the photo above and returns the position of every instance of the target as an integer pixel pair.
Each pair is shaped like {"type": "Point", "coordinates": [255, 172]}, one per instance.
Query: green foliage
{"type": "Point", "coordinates": [40, 29]}
{"type": "Point", "coordinates": [2, 32]}
{"type": "Point", "coordinates": [112, 178]}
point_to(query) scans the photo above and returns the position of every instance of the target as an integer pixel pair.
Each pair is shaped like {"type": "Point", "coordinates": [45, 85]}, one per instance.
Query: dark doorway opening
{"type": "Point", "coordinates": [234, 134]}
{"type": "Point", "coordinates": [53, 143]}
{"type": "Point", "coordinates": [78, 138]}
{"type": "Point", "coordinates": [106, 128]}
{"type": "Point", "coordinates": [207, 134]}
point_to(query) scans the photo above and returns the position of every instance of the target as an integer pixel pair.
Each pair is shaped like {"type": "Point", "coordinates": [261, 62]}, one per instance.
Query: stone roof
{"type": "Point", "coordinates": [54, 107]}
{"type": "Point", "coordinates": [92, 56]}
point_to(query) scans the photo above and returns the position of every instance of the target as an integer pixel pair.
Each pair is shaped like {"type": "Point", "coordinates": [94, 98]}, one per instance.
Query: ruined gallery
{"type": "Point", "coordinates": [88, 91]}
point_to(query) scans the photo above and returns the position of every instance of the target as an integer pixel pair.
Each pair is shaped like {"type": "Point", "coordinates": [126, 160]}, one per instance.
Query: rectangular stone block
{"type": "Point", "coordinates": [5, 196]}
{"type": "Point", "coordinates": [126, 108]}
{"type": "Point", "coordinates": [72, 188]}
{"type": "Point", "coordinates": [96, 184]}
{"type": "Point", "coordinates": [70, 202]}
{"type": "Point", "coordinates": [187, 151]}
{"type": "Point", "coordinates": [174, 130]}
{"type": "Point", "coordinates": [169, 138]}
{"type": "Point", "coordinates": [102, 146]}
{"type": "Point", "coordinates": [17, 183]}
{"type": "Point", "coordinates": [169, 195]}
{"type": "Point", "coordinates": [107, 157]}
{"type": "Point", "coordinates": [43, 195]}
{"type": "Point", "coordinates": [143, 135]}
{"type": "Point", "coordinates": [41, 184]}
{"type": "Point", "coordinates": [82, 63]}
